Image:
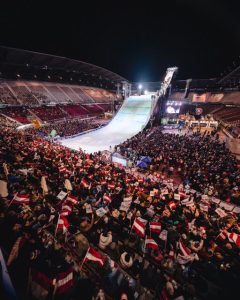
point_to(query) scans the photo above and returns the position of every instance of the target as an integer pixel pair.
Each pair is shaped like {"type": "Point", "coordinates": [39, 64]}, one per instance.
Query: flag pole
{"type": "Point", "coordinates": [57, 225]}
{"type": "Point", "coordinates": [83, 260]}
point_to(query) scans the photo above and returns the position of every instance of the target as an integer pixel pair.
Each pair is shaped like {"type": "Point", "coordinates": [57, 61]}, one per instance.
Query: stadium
{"type": "Point", "coordinates": [113, 188]}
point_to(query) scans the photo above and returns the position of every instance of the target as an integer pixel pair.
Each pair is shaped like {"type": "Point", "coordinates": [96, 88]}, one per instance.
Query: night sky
{"type": "Point", "coordinates": [137, 40]}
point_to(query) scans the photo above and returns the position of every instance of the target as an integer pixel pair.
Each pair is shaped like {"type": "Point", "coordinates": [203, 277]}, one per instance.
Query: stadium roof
{"type": "Point", "coordinates": [231, 79]}
{"type": "Point", "coordinates": [17, 57]}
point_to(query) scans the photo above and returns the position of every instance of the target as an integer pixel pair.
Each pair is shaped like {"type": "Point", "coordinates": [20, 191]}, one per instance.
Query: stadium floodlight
{"type": "Point", "coordinates": [146, 92]}
{"type": "Point", "coordinates": [140, 86]}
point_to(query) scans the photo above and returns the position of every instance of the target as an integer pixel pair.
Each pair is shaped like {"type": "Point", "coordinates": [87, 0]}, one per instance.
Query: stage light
{"type": "Point", "coordinates": [140, 86]}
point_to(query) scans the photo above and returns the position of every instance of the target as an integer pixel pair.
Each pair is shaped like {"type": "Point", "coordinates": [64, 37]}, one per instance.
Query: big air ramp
{"type": "Point", "coordinates": [132, 117]}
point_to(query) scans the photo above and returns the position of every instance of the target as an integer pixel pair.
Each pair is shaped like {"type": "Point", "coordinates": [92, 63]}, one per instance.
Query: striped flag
{"type": "Point", "coordinates": [84, 183]}
{"type": "Point", "coordinates": [72, 200]}
{"type": "Point", "coordinates": [111, 186]}
{"type": "Point", "coordinates": [150, 243]}
{"type": "Point", "coordinates": [107, 199]}
{"type": "Point", "coordinates": [95, 256]}
{"type": "Point", "coordinates": [21, 199]}
{"type": "Point", "coordinates": [155, 227]}
{"type": "Point", "coordinates": [66, 210]}
{"type": "Point", "coordinates": [139, 227]}
{"type": "Point", "coordinates": [234, 237]}
{"type": "Point", "coordinates": [222, 236]}
{"type": "Point", "coordinates": [64, 281]}
{"type": "Point", "coordinates": [62, 223]}
{"type": "Point", "coordinates": [184, 250]}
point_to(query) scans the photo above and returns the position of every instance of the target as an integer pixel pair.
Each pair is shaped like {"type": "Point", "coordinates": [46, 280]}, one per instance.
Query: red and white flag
{"type": "Point", "coordinates": [222, 236]}
{"type": "Point", "coordinates": [150, 243]}
{"type": "Point", "coordinates": [64, 281]}
{"type": "Point", "coordinates": [111, 186]}
{"type": "Point", "coordinates": [84, 183]}
{"type": "Point", "coordinates": [155, 227]}
{"type": "Point", "coordinates": [72, 200]}
{"type": "Point", "coordinates": [62, 223]}
{"type": "Point", "coordinates": [107, 199]}
{"type": "Point", "coordinates": [172, 205]}
{"type": "Point", "coordinates": [21, 199]}
{"type": "Point", "coordinates": [184, 250]}
{"type": "Point", "coordinates": [139, 227]}
{"type": "Point", "coordinates": [66, 210]}
{"type": "Point", "coordinates": [95, 256]}
{"type": "Point", "coordinates": [234, 237]}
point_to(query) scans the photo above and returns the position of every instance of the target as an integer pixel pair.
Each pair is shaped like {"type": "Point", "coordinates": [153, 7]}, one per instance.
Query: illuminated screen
{"type": "Point", "coordinates": [173, 110]}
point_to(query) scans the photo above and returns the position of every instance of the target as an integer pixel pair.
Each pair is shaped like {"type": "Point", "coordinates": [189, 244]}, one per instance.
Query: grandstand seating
{"type": "Point", "coordinates": [20, 114]}
{"type": "Point", "coordinates": [72, 95]}
{"type": "Point", "coordinates": [6, 96]}
{"type": "Point", "coordinates": [229, 115]}
{"type": "Point", "coordinates": [98, 95]}
{"type": "Point", "coordinates": [93, 108]}
{"type": "Point", "coordinates": [24, 95]}
{"type": "Point", "coordinates": [75, 110]}
{"type": "Point", "coordinates": [49, 113]}
{"type": "Point", "coordinates": [84, 97]}
{"type": "Point", "coordinates": [105, 106]}
{"type": "Point", "coordinates": [58, 94]}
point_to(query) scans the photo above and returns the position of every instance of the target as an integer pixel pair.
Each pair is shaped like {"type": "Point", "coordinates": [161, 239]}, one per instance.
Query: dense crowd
{"type": "Point", "coordinates": [105, 232]}
{"type": "Point", "coordinates": [199, 159]}
{"type": "Point", "coordinates": [65, 128]}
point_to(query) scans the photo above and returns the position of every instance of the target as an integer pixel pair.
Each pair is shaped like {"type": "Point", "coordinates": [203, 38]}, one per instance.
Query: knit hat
{"type": "Point", "coordinates": [105, 240]}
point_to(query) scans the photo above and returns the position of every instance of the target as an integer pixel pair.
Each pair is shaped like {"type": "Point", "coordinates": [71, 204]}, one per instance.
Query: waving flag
{"type": "Point", "coordinates": [62, 224]}
{"type": "Point", "coordinates": [139, 227]}
{"type": "Point", "coordinates": [64, 281]}
{"type": "Point", "coordinates": [111, 186]}
{"type": "Point", "coordinates": [95, 256]}
{"type": "Point", "coordinates": [184, 250]}
{"type": "Point", "coordinates": [234, 237]}
{"type": "Point", "coordinates": [21, 199]}
{"type": "Point", "coordinates": [155, 227]}
{"type": "Point", "coordinates": [72, 200]}
{"type": "Point", "coordinates": [150, 243]}
{"type": "Point", "coordinates": [66, 210]}
{"type": "Point", "coordinates": [107, 199]}
{"type": "Point", "coordinates": [84, 183]}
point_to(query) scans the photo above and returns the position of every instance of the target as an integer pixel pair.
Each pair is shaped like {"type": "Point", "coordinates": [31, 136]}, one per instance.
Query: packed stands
{"type": "Point", "coordinates": [75, 110]}
{"type": "Point", "coordinates": [21, 114]}
{"type": "Point", "coordinates": [64, 128]}
{"type": "Point", "coordinates": [93, 108]}
{"type": "Point", "coordinates": [49, 113]}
